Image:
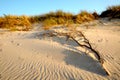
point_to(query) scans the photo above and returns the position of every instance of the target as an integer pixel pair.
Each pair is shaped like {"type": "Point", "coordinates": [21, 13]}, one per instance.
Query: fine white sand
{"type": "Point", "coordinates": [28, 56]}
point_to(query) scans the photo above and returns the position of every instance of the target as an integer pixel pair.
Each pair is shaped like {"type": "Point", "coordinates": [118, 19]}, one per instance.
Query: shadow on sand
{"type": "Point", "coordinates": [79, 59]}
{"type": "Point", "coordinates": [84, 62]}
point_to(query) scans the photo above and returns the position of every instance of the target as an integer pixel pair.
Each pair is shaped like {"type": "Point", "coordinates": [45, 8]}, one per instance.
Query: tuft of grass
{"type": "Point", "coordinates": [96, 15]}
{"type": "Point", "coordinates": [84, 16]}
{"type": "Point", "coordinates": [48, 23]}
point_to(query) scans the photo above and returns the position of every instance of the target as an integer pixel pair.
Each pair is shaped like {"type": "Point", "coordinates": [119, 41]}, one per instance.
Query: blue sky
{"type": "Point", "coordinates": [37, 7]}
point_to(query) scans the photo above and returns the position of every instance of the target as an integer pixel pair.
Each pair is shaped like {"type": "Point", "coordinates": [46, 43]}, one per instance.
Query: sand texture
{"type": "Point", "coordinates": [29, 56]}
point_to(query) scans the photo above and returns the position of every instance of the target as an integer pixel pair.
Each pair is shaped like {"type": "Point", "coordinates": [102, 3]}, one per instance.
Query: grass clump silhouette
{"type": "Point", "coordinates": [111, 12]}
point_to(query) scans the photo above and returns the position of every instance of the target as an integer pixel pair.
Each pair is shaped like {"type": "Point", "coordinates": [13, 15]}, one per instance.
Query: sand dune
{"type": "Point", "coordinates": [27, 56]}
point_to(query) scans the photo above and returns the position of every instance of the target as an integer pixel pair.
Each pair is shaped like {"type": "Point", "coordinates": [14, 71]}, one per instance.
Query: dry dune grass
{"type": "Point", "coordinates": [15, 22]}
{"type": "Point", "coordinates": [59, 17]}
{"type": "Point", "coordinates": [48, 20]}
{"type": "Point", "coordinates": [62, 18]}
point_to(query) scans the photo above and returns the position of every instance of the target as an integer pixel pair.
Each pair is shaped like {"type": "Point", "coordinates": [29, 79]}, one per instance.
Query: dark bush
{"type": "Point", "coordinates": [112, 12]}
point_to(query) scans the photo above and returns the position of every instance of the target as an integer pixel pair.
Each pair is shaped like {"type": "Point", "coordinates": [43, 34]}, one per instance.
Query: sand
{"type": "Point", "coordinates": [28, 56]}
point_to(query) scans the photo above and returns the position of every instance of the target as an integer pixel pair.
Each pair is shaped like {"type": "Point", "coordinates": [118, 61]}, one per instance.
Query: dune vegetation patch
{"type": "Point", "coordinates": [48, 20]}
{"type": "Point", "coordinates": [59, 17]}
{"type": "Point", "coordinates": [112, 12]}
{"type": "Point", "coordinates": [14, 22]}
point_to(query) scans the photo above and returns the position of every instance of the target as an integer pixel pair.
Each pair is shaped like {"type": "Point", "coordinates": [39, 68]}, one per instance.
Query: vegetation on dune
{"type": "Point", "coordinates": [55, 18]}
{"type": "Point", "coordinates": [48, 20]}
{"type": "Point", "coordinates": [112, 12]}
{"type": "Point", "coordinates": [60, 17]}
{"type": "Point", "coordinates": [15, 22]}
{"type": "Point", "coordinates": [84, 16]}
